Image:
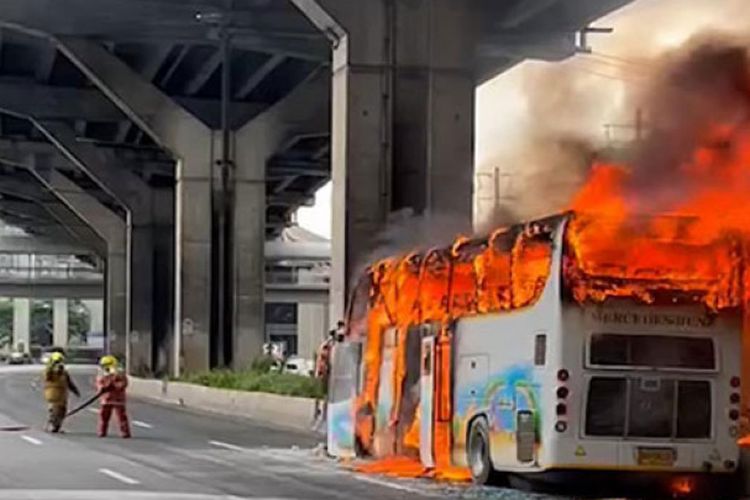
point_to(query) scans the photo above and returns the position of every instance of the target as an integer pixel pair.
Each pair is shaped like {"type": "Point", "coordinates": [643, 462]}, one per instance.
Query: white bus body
{"type": "Point", "coordinates": [620, 386]}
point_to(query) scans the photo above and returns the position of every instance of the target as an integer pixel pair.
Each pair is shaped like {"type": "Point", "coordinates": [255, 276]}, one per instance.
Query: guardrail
{"type": "Point", "coordinates": [73, 354]}
{"type": "Point", "coordinates": [46, 273]}
{"type": "Point", "coordinates": [295, 277]}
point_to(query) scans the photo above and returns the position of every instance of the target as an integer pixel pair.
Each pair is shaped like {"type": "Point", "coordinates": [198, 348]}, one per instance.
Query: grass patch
{"type": "Point", "coordinates": [286, 384]}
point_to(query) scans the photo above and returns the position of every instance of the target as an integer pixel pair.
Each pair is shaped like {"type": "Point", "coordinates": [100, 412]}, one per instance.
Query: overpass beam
{"type": "Point", "coordinates": [403, 118]}
{"type": "Point", "coordinates": [113, 230]}
{"type": "Point", "coordinates": [39, 195]}
{"type": "Point", "coordinates": [76, 227]}
{"type": "Point", "coordinates": [116, 177]}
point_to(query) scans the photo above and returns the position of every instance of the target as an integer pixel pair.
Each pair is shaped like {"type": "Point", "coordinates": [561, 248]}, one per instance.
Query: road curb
{"type": "Point", "coordinates": [284, 411]}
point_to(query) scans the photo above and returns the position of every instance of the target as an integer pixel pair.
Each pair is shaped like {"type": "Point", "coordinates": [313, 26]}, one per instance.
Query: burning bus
{"type": "Point", "coordinates": [567, 344]}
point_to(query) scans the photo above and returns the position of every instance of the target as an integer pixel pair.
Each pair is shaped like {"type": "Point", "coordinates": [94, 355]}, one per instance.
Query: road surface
{"type": "Point", "coordinates": [176, 454]}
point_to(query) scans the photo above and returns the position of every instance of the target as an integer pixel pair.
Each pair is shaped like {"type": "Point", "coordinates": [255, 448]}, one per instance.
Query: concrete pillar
{"type": "Point", "coordinates": [403, 118]}
{"type": "Point", "coordinates": [21, 324]}
{"type": "Point", "coordinates": [312, 328]}
{"type": "Point", "coordinates": [303, 112]}
{"type": "Point", "coordinates": [163, 280]}
{"type": "Point", "coordinates": [312, 320]}
{"type": "Point", "coordinates": [60, 323]}
{"type": "Point", "coordinates": [192, 145]}
{"type": "Point", "coordinates": [141, 272]}
{"type": "Point", "coordinates": [96, 314]}
{"type": "Point", "coordinates": [114, 231]}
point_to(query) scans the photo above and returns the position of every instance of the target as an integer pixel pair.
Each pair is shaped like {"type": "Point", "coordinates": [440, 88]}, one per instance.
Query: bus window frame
{"type": "Point", "coordinates": [715, 414]}
{"type": "Point", "coordinates": [587, 364]}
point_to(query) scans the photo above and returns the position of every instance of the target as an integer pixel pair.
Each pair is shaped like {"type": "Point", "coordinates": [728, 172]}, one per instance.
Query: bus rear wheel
{"type": "Point", "coordinates": [478, 454]}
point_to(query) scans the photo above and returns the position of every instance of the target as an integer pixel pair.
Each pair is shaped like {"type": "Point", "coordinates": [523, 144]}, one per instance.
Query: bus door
{"type": "Point", "coordinates": [427, 399]}
{"type": "Point", "coordinates": [342, 392]}
{"type": "Point", "coordinates": [408, 416]}
{"type": "Point", "coordinates": [385, 435]}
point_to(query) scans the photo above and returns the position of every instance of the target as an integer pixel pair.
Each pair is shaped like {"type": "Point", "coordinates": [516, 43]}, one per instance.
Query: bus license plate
{"type": "Point", "coordinates": [656, 457]}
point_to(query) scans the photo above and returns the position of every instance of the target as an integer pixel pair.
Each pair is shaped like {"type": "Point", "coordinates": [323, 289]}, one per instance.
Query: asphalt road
{"type": "Point", "coordinates": [176, 454]}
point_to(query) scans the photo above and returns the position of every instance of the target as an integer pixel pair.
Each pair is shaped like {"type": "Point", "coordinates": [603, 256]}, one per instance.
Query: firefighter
{"type": "Point", "coordinates": [323, 358]}
{"type": "Point", "coordinates": [340, 331]}
{"type": "Point", "coordinates": [57, 383]}
{"type": "Point", "coordinates": [323, 370]}
{"type": "Point", "coordinates": [111, 383]}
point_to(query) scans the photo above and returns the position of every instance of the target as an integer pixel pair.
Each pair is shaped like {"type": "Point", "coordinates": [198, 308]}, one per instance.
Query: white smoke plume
{"type": "Point", "coordinates": [555, 113]}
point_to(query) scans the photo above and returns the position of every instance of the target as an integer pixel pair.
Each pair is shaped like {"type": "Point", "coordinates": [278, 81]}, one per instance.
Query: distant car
{"type": "Point", "coordinates": [19, 358]}
{"type": "Point", "coordinates": [298, 366]}
{"type": "Point", "coordinates": [47, 352]}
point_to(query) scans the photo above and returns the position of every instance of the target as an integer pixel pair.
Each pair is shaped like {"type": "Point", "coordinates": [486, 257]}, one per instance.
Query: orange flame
{"type": "Point", "coordinates": [503, 272]}
{"type": "Point", "coordinates": [682, 486]}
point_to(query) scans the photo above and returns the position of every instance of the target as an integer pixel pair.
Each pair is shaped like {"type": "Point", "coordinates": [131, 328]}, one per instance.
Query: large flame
{"type": "Point", "coordinates": [505, 271]}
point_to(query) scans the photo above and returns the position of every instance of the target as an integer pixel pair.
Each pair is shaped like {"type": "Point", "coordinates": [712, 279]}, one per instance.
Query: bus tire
{"type": "Point", "coordinates": [478, 453]}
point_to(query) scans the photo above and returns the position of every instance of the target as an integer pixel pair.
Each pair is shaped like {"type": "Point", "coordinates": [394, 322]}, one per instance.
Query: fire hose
{"type": "Point", "coordinates": [88, 402]}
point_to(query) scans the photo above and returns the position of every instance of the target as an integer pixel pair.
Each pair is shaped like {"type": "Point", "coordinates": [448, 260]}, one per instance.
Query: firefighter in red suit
{"type": "Point", "coordinates": [112, 382]}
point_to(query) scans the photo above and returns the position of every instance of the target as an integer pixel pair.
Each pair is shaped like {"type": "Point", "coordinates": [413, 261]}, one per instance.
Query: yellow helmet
{"type": "Point", "coordinates": [108, 361]}
{"type": "Point", "coordinates": [56, 357]}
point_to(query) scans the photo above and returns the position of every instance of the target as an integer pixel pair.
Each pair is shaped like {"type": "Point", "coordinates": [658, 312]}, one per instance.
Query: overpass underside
{"type": "Point", "coordinates": [173, 140]}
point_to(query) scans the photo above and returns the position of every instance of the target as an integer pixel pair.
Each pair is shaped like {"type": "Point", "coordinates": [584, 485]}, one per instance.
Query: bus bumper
{"type": "Point", "coordinates": [642, 485]}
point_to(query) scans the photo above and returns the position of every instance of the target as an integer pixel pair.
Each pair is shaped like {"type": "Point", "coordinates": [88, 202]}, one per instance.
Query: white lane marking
{"type": "Point", "coordinates": [31, 440]}
{"type": "Point", "coordinates": [228, 446]}
{"type": "Point", "coordinates": [388, 484]}
{"type": "Point", "coordinates": [136, 423]}
{"type": "Point", "coordinates": [120, 477]}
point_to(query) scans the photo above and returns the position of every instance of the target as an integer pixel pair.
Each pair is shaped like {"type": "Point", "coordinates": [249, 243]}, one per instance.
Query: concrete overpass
{"type": "Point", "coordinates": [172, 138]}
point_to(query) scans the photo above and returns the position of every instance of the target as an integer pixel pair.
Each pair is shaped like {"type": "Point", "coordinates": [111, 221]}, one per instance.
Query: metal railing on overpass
{"type": "Point", "coordinates": [292, 276]}
{"type": "Point", "coordinates": [66, 273]}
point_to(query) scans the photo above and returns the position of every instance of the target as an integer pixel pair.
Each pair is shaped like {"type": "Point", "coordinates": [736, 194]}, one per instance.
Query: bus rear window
{"type": "Point", "coordinates": [605, 409]}
{"type": "Point", "coordinates": [638, 407]}
{"type": "Point", "coordinates": [652, 351]}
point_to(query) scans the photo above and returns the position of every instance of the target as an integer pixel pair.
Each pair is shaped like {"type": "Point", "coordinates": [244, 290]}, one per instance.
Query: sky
{"type": "Point", "coordinates": [318, 217]}
{"type": "Point", "coordinates": [505, 110]}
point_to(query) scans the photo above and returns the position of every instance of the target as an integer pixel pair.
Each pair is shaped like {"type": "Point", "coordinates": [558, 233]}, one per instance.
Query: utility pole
{"type": "Point", "coordinates": [639, 126]}
{"type": "Point", "coordinates": [582, 42]}
{"type": "Point", "coordinates": [222, 192]}
{"type": "Point", "coordinates": [502, 190]}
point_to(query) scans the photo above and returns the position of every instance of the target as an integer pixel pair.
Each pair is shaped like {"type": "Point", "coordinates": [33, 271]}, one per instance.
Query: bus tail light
{"type": "Point", "coordinates": [734, 398]}
{"type": "Point", "coordinates": [682, 486]}
{"type": "Point", "coordinates": [562, 393]}
{"type": "Point", "coordinates": [734, 414]}
{"type": "Point", "coordinates": [735, 382]}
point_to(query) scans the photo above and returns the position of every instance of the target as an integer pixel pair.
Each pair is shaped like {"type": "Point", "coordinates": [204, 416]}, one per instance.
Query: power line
{"type": "Point", "coordinates": [573, 65]}
{"type": "Point", "coordinates": [617, 59]}
{"type": "Point", "coordinates": [640, 70]}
